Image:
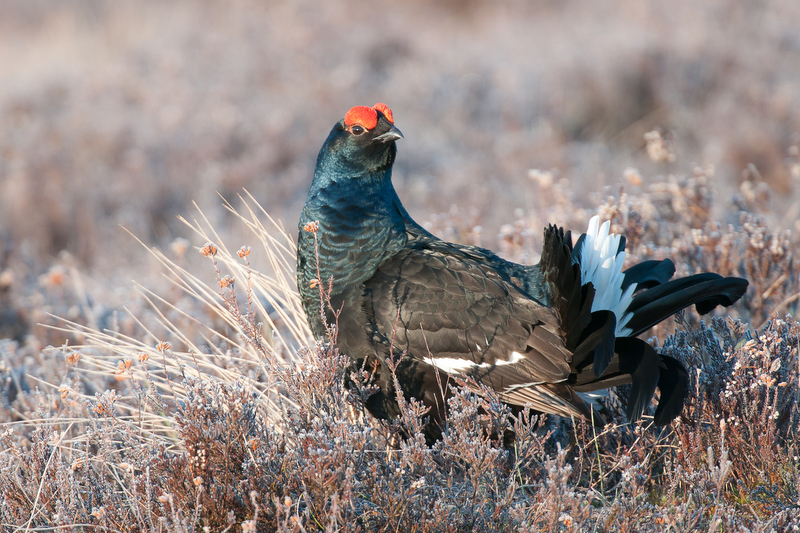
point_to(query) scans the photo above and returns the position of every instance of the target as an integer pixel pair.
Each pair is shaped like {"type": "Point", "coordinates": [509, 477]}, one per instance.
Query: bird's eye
{"type": "Point", "coordinates": [357, 130]}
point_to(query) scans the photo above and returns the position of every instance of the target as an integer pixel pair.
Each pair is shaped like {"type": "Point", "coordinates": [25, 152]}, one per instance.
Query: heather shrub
{"type": "Point", "coordinates": [196, 399]}
{"type": "Point", "coordinates": [231, 417]}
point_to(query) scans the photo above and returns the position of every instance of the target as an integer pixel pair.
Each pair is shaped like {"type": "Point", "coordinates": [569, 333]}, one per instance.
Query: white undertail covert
{"type": "Point", "coordinates": [601, 266]}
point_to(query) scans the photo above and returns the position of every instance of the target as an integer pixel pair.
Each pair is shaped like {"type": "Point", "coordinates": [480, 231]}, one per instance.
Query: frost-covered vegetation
{"type": "Point", "coordinates": [195, 399]}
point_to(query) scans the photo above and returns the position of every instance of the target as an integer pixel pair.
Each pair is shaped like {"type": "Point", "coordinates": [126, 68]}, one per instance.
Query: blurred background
{"type": "Point", "coordinates": [118, 113]}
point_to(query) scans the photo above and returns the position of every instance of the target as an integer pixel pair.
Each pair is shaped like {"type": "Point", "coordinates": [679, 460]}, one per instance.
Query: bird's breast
{"type": "Point", "coordinates": [358, 230]}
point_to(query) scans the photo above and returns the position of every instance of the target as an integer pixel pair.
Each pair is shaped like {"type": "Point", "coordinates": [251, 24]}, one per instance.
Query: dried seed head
{"type": "Point", "coordinates": [227, 281]}
{"type": "Point", "coordinates": [73, 358]}
{"type": "Point", "coordinates": [312, 227]}
{"type": "Point", "coordinates": [209, 248]}
{"type": "Point", "coordinates": [123, 366]}
{"type": "Point", "coordinates": [143, 357]}
{"type": "Point", "coordinates": [163, 346]}
{"type": "Point", "coordinates": [244, 251]}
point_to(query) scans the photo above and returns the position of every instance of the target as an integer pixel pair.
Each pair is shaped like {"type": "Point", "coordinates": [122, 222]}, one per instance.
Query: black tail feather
{"type": "Point", "coordinates": [641, 361]}
{"type": "Point", "coordinates": [638, 364]}
{"type": "Point", "coordinates": [706, 290]}
{"type": "Point", "coordinates": [600, 360]}
{"type": "Point", "coordinates": [648, 274]}
{"type": "Point", "coordinates": [673, 382]}
{"type": "Point", "coordinates": [567, 294]}
{"type": "Point", "coordinates": [596, 345]}
{"type": "Point", "coordinates": [589, 335]}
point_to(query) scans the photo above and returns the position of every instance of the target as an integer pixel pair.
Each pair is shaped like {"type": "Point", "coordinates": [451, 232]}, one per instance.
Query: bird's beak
{"type": "Point", "coordinates": [391, 135]}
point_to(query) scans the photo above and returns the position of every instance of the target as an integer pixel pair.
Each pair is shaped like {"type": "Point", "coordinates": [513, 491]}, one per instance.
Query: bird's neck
{"type": "Point", "coordinates": [353, 203]}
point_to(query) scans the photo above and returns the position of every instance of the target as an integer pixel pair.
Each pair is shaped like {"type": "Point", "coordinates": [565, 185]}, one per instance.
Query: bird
{"type": "Point", "coordinates": [415, 311]}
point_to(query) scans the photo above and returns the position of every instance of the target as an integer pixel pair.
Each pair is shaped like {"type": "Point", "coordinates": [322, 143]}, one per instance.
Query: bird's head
{"type": "Point", "coordinates": [362, 142]}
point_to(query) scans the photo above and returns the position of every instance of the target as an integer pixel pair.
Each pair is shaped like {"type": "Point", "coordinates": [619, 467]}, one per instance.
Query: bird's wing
{"type": "Point", "coordinates": [460, 315]}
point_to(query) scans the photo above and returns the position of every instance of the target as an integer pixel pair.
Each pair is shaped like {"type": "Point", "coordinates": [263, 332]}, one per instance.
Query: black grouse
{"type": "Point", "coordinates": [539, 335]}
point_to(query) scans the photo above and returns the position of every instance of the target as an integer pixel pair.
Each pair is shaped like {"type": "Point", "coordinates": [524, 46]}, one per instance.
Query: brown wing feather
{"type": "Point", "coordinates": [441, 307]}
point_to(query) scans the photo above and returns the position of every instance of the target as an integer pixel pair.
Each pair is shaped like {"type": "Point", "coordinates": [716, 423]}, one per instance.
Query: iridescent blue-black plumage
{"type": "Point", "coordinates": [533, 333]}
